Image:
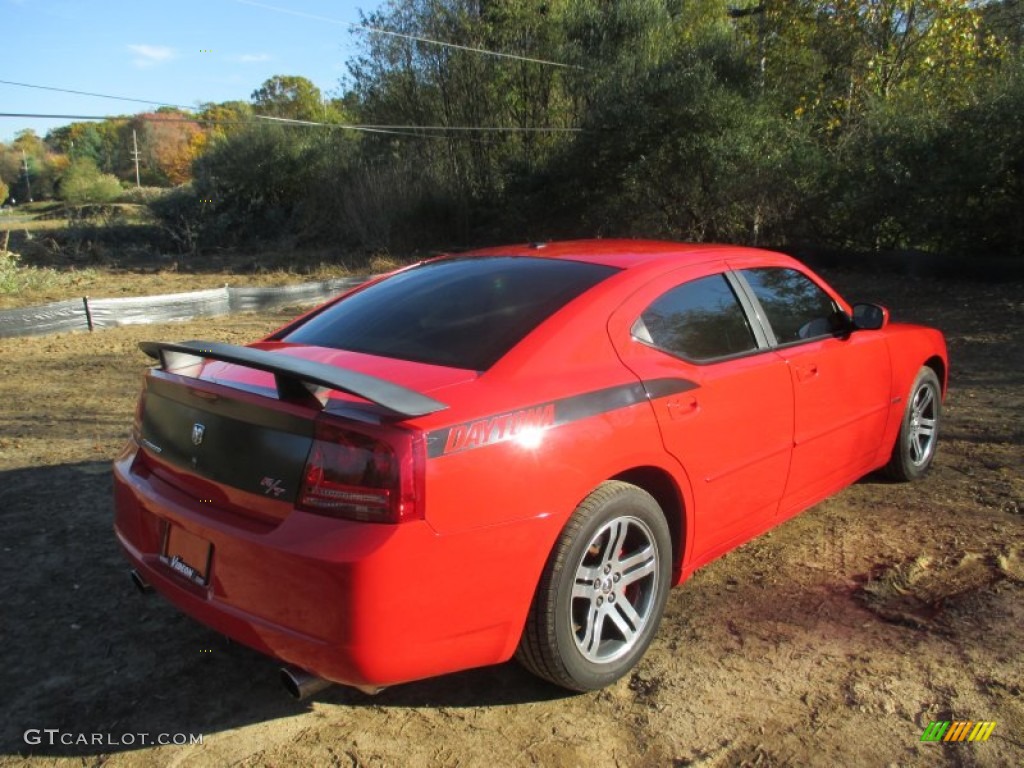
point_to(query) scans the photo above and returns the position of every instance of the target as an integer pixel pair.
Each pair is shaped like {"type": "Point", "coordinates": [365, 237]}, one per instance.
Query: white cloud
{"type": "Point", "coordinates": [148, 55]}
{"type": "Point", "coordinates": [249, 58]}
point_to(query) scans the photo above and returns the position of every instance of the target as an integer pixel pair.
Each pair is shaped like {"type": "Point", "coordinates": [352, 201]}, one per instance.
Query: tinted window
{"type": "Point", "coordinates": [796, 307]}
{"type": "Point", "coordinates": [700, 320]}
{"type": "Point", "coordinates": [464, 313]}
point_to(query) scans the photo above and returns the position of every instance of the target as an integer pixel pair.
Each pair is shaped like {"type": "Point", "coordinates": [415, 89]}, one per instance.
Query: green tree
{"type": "Point", "coordinates": [28, 151]}
{"type": "Point", "coordinates": [860, 124]}
{"type": "Point", "coordinates": [946, 183]}
{"type": "Point", "coordinates": [684, 149]}
{"type": "Point", "coordinates": [224, 119]}
{"type": "Point", "coordinates": [295, 98]}
{"type": "Point", "coordinates": [107, 143]}
{"type": "Point", "coordinates": [397, 81]}
{"type": "Point", "coordinates": [1005, 20]}
{"type": "Point", "coordinates": [256, 181]}
{"type": "Point", "coordinates": [10, 166]}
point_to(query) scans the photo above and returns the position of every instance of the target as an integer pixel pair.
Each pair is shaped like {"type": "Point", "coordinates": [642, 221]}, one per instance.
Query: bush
{"type": "Point", "coordinates": [945, 181]}
{"type": "Point", "coordinates": [82, 183]}
{"type": "Point", "coordinates": [251, 183]}
{"type": "Point", "coordinates": [686, 150]}
{"type": "Point", "coordinates": [141, 195]}
{"type": "Point", "coordinates": [391, 205]}
{"type": "Point", "coordinates": [16, 278]}
{"type": "Point", "coordinates": [9, 282]}
{"type": "Point", "coordinates": [180, 213]}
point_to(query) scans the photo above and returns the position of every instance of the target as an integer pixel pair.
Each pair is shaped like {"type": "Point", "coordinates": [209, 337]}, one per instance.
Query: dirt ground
{"type": "Point", "coordinates": [833, 640]}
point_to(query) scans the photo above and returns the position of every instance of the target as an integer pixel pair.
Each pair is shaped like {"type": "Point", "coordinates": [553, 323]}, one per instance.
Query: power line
{"type": "Point", "coordinates": [392, 130]}
{"type": "Point", "coordinates": [299, 123]}
{"type": "Point", "coordinates": [63, 117]}
{"type": "Point", "coordinates": [292, 121]}
{"type": "Point", "coordinates": [495, 128]}
{"type": "Point", "coordinates": [372, 127]}
{"type": "Point", "coordinates": [398, 130]}
{"type": "Point", "coordinates": [416, 38]}
{"type": "Point", "coordinates": [281, 120]}
{"type": "Point", "coordinates": [96, 95]}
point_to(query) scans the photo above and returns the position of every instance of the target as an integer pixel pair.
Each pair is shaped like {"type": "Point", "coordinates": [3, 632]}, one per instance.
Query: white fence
{"type": "Point", "coordinates": [87, 314]}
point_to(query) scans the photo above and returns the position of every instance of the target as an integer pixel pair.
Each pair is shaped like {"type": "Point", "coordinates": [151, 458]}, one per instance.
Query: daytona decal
{"type": "Point", "coordinates": [505, 426]}
{"type": "Point", "coordinates": [498, 428]}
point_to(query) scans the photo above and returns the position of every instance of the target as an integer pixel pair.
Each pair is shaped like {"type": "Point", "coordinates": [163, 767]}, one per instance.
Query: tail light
{"type": "Point", "coordinates": [374, 477]}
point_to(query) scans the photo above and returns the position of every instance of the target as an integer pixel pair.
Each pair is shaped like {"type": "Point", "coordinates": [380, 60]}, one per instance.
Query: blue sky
{"type": "Point", "coordinates": [156, 49]}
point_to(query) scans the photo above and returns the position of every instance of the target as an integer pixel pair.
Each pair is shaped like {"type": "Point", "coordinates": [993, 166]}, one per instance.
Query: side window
{"type": "Point", "coordinates": [797, 309]}
{"type": "Point", "coordinates": [699, 320]}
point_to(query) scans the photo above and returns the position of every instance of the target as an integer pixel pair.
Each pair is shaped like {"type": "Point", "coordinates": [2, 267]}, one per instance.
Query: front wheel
{"type": "Point", "coordinates": [603, 590]}
{"type": "Point", "coordinates": [919, 433]}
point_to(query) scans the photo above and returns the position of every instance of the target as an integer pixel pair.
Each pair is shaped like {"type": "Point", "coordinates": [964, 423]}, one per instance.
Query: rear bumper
{"type": "Point", "coordinates": [356, 603]}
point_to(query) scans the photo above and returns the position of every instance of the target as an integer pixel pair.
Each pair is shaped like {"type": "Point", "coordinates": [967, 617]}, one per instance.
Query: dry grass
{"type": "Point", "coordinates": [39, 286]}
{"type": "Point", "coordinates": [56, 259]}
{"type": "Point", "coordinates": [24, 286]}
{"type": "Point", "coordinates": [19, 283]}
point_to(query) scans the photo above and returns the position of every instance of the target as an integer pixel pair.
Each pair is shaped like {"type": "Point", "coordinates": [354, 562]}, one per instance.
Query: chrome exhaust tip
{"type": "Point", "coordinates": [300, 684]}
{"type": "Point", "coordinates": [370, 690]}
{"type": "Point", "coordinates": [140, 583]}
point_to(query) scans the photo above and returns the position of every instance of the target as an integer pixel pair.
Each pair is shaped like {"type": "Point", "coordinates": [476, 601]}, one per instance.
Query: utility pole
{"type": "Point", "coordinates": [135, 154]}
{"type": "Point", "coordinates": [759, 11]}
{"type": "Point", "coordinates": [28, 183]}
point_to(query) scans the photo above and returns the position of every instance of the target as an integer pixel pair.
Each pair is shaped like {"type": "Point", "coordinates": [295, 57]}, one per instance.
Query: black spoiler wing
{"type": "Point", "coordinates": [296, 378]}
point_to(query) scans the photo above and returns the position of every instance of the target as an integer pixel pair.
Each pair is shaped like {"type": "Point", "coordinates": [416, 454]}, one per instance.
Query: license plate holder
{"type": "Point", "coordinates": [187, 554]}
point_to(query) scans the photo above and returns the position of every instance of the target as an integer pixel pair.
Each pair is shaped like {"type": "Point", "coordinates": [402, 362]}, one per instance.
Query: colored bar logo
{"type": "Point", "coordinates": [958, 730]}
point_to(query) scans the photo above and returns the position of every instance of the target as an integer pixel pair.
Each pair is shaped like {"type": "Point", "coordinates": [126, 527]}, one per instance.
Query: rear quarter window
{"type": "Point", "coordinates": [700, 321]}
{"type": "Point", "coordinates": [459, 312]}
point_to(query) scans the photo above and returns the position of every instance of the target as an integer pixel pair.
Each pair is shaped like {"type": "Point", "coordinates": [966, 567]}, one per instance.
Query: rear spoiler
{"type": "Point", "coordinates": [296, 379]}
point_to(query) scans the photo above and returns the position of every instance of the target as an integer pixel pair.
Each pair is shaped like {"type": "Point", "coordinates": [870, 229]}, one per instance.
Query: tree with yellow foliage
{"type": "Point", "coordinates": [827, 61]}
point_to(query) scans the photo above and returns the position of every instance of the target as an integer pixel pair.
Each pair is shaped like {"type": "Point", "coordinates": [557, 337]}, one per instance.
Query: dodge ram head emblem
{"type": "Point", "coordinates": [198, 430]}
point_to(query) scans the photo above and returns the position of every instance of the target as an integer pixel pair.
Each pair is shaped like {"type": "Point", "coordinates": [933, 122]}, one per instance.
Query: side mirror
{"type": "Point", "coordinates": [869, 317]}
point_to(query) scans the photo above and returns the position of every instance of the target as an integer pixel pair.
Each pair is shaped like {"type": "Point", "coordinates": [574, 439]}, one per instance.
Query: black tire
{"type": "Point", "coordinates": [915, 446]}
{"type": "Point", "coordinates": [603, 590]}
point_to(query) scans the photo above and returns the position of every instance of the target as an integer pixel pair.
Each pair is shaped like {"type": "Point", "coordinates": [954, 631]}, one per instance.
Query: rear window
{"type": "Point", "coordinates": [462, 313]}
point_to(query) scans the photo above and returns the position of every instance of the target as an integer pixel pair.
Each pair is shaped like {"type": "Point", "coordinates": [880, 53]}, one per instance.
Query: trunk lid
{"type": "Point", "coordinates": [239, 438]}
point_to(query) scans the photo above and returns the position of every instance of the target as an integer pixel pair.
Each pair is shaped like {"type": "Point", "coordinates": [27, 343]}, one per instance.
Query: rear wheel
{"type": "Point", "coordinates": [919, 433]}
{"type": "Point", "coordinates": [603, 590]}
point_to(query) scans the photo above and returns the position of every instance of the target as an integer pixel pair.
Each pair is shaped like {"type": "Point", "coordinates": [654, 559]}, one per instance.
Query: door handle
{"type": "Point", "coordinates": [681, 407]}
{"type": "Point", "coordinates": [807, 372]}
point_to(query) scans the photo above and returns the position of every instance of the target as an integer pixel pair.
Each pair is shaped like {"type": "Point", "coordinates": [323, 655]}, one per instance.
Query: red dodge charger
{"type": "Point", "coordinates": [515, 451]}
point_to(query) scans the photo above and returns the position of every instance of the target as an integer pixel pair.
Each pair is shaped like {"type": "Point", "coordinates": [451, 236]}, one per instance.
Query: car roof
{"type": "Point", "coordinates": [621, 253]}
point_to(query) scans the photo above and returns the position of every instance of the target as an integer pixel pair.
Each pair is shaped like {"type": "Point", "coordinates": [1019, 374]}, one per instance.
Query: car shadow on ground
{"type": "Point", "coordinates": [86, 653]}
